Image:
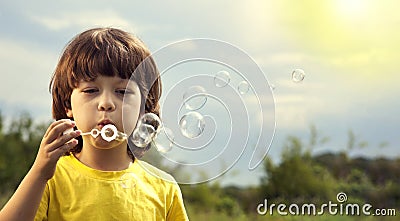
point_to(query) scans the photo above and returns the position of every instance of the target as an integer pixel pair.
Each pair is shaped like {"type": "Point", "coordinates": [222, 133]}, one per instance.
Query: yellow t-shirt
{"type": "Point", "coordinates": [78, 192]}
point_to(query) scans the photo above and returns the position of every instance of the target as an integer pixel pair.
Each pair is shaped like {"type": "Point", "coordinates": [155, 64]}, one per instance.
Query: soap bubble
{"type": "Point", "coordinates": [148, 126]}
{"type": "Point", "coordinates": [143, 134]}
{"type": "Point", "coordinates": [164, 140]}
{"type": "Point", "coordinates": [298, 75]}
{"type": "Point", "coordinates": [222, 78]}
{"type": "Point", "coordinates": [243, 87]}
{"type": "Point", "coordinates": [195, 97]}
{"type": "Point", "coordinates": [192, 124]}
{"type": "Point", "coordinates": [151, 119]}
{"type": "Point", "coordinates": [146, 130]}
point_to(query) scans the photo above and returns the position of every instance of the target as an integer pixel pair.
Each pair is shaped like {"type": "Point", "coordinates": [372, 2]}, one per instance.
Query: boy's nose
{"type": "Point", "coordinates": [106, 103]}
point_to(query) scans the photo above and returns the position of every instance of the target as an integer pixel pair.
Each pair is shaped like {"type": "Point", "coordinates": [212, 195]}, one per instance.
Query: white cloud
{"type": "Point", "coordinates": [82, 19]}
{"type": "Point", "coordinates": [26, 72]}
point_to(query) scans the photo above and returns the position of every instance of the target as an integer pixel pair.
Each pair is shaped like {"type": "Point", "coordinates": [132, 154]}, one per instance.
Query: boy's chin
{"type": "Point", "coordinates": [99, 143]}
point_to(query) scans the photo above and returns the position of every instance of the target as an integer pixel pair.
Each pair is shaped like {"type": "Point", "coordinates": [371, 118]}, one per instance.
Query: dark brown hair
{"type": "Point", "coordinates": [106, 52]}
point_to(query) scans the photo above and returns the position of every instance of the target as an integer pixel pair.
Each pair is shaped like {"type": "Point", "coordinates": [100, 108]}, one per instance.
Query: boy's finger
{"type": "Point", "coordinates": [59, 152]}
{"type": "Point", "coordinates": [58, 130]}
{"type": "Point", "coordinates": [64, 139]}
{"type": "Point", "coordinates": [54, 124]}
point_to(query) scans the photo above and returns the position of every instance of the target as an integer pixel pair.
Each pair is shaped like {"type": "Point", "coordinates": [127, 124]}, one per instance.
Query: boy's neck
{"type": "Point", "coordinates": [114, 159]}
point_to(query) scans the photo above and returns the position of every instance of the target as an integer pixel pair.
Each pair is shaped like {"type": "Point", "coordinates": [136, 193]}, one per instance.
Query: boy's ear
{"type": "Point", "coordinates": [69, 113]}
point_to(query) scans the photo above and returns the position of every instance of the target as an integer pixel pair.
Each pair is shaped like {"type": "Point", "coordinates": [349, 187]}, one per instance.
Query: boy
{"type": "Point", "coordinates": [78, 177]}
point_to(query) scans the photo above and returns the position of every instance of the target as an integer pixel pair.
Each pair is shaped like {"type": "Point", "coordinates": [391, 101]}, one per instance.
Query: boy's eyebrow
{"type": "Point", "coordinates": [86, 81]}
{"type": "Point", "coordinates": [121, 81]}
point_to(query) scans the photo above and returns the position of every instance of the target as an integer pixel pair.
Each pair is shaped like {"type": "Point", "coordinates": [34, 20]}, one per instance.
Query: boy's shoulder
{"type": "Point", "coordinates": [155, 172]}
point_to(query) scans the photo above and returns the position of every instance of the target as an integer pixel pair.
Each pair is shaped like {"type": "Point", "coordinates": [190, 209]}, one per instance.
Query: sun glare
{"type": "Point", "coordinates": [352, 9]}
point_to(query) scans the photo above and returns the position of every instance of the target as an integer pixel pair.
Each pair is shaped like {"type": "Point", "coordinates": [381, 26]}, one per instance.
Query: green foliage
{"type": "Point", "coordinates": [375, 181]}
{"type": "Point", "coordinates": [210, 198]}
{"type": "Point", "coordinates": [337, 164]}
{"type": "Point", "coordinates": [297, 178]}
{"type": "Point", "coordinates": [248, 198]}
{"type": "Point", "coordinates": [19, 144]}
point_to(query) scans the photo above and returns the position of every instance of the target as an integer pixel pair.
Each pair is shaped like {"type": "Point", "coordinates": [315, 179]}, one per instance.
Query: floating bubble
{"type": "Point", "coordinates": [164, 140]}
{"type": "Point", "coordinates": [222, 78]}
{"type": "Point", "coordinates": [298, 75]}
{"type": "Point", "coordinates": [192, 124]}
{"type": "Point", "coordinates": [195, 98]}
{"type": "Point", "coordinates": [148, 126]}
{"type": "Point", "coordinates": [143, 134]}
{"type": "Point", "coordinates": [243, 87]}
{"type": "Point", "coordinates": [151, 119]}
{"type": "Point", "coordinates": [146, 131]}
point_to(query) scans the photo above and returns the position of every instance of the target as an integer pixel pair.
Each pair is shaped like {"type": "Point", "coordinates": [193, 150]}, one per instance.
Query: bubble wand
{"type": "Point", "coordinates": [109, 133]}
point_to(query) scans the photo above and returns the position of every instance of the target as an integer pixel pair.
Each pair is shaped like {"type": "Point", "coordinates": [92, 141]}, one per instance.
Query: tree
{"type": "Point", "coordinates": [297, 178]}
{"type": "Point", "coordinates": [19, 145]}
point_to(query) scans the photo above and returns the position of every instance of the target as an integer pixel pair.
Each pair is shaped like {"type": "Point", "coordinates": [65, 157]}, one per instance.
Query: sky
{"type": "Point", "coordinates": [348, 50]}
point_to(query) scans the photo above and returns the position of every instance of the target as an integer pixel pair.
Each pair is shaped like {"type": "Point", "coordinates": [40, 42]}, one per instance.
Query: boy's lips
{"type": "Point", "coordinates": [104, 122]}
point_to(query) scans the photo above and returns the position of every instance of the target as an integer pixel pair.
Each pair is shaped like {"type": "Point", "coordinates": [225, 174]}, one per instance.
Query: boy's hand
{"type": "Point", "coordinates": [54, 144]}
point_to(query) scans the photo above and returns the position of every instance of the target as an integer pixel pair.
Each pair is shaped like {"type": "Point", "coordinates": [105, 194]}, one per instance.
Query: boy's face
{"type": "Point", "coordinates": [97, 103]}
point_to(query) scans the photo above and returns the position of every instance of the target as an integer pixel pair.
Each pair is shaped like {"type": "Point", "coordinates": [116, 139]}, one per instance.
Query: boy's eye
{"type": "Point", "coordinates": [123, 91]}
{"type": "Point", "coordinates": [89, 90]}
